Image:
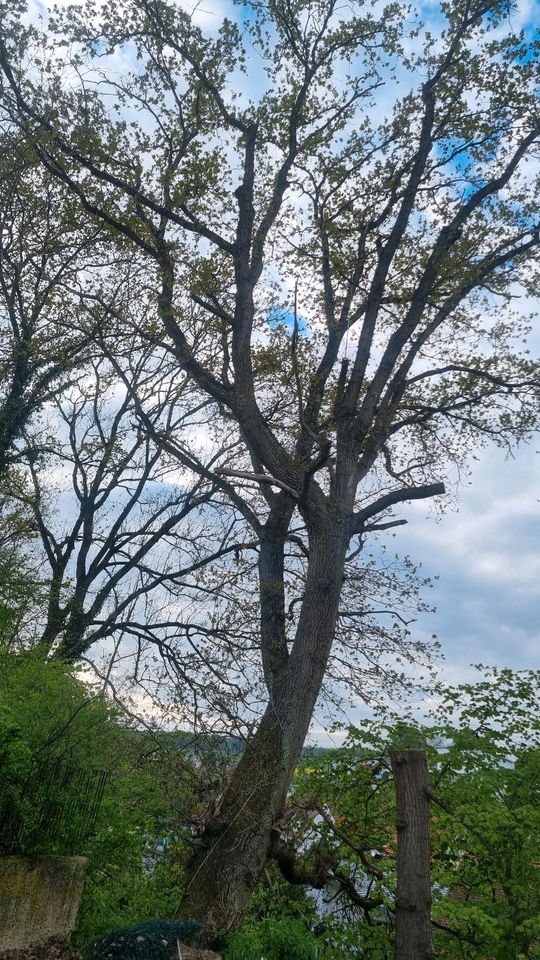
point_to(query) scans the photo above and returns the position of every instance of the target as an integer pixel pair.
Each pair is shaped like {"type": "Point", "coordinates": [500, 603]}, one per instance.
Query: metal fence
{"type": "Point", "coordinates": [56, 806]}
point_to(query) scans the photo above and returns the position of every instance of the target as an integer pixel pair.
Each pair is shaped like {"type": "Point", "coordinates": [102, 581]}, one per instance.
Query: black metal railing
{"type": "Point", "coordinates": [56, 808]}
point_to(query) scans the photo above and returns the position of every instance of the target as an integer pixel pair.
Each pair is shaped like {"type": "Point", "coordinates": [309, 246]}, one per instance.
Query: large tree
{"type": "Point", "coordinates": [389, 229]}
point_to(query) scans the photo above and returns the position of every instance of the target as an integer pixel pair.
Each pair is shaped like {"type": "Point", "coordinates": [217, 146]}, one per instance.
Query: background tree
{"type": "Point", "coordinates": [404, 229]}
{"type": "Point", "coordinates": [482, 745]}
{"type": "Point", "coordinates": [43, 246]}
{"type": "Point", "coordinates": [136, 547]}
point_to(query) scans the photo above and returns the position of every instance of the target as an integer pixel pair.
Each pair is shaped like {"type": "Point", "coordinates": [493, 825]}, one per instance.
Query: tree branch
{"type": "Point", "coordinates": [389, 499]}
{"type": "Point", "coordinates": [257, 478]}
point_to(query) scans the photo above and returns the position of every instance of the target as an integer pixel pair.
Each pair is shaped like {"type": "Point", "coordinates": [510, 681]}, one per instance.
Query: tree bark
{"type": "Point", "coordinates": [413, 894]}
{"type": "Point", "coordinates": [232, 854]}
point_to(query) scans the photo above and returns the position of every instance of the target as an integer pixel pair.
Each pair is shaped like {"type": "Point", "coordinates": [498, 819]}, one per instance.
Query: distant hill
{"type": "Point", "coordinates": [220, 746]}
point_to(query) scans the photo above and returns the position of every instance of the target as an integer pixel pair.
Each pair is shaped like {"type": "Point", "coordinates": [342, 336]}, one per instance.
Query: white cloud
{"type": "Point", "coordinates": [489, 566]}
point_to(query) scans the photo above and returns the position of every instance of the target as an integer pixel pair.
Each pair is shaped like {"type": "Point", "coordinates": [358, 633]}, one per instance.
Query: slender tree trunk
{"type": "Point", "coordinates": [232, 854]}
{"type": "Point", "coordinates": [413, 895]}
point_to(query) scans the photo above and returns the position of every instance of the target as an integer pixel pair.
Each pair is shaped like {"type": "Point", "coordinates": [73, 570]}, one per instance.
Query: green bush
{"type": "Point", "coordinates": [274, 940]}
{"type": "Point", "coordinates": [49, 717]}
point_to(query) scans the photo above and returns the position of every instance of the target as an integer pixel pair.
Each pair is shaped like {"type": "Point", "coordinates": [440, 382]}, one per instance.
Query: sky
{"type": "Point", "coordinates": [485, 555]}
{"type": "Point", "coordinates": [487, 558]}
{"type": "Point", "coordinates": [485, 550]}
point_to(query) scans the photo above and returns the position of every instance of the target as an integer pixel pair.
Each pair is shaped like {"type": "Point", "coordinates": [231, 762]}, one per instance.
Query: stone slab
{"type": "Point", "coordinates": [39, 899]}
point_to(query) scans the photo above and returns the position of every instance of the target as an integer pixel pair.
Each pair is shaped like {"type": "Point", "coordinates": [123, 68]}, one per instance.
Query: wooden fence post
{"type": "Point", "coordinates": [413, 894]}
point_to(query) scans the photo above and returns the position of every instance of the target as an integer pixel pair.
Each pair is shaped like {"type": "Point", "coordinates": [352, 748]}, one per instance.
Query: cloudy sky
{"type": "Point", "coordinates": [486, 555]}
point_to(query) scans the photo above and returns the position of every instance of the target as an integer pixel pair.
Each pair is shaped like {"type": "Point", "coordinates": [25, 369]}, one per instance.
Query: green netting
{"type": "Point", "coordinates": [153, 940]}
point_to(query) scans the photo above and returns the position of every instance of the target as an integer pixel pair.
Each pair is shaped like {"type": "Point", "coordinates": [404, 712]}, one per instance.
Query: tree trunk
{"type": "Point", "coordinates": [413, 894]}
{"type": "Point", "coordinates": [232, 854]}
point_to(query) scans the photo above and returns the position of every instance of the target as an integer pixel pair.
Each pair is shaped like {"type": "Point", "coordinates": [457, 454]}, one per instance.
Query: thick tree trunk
{"type": "Point", "coordinates": [413, 895]}
{"type": "Point", "coordinates": [232, 855]}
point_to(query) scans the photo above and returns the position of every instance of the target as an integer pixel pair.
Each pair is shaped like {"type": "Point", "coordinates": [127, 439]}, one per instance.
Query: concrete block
{"type": "Point", "coordinates": [39, 899]}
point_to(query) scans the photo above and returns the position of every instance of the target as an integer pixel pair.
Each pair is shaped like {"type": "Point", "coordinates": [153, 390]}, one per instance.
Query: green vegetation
{"type": "Point", "coordinates": [275, 939]}
{"type": "Point", "coordinates": [483, 746]}
{"type": "Point", "coordinates": [57, 736]}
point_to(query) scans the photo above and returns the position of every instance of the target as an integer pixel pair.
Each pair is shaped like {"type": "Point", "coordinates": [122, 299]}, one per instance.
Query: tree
{"type": "Point", "coordinates": [45, 342]}
{"type": "Point", "coordinates": [403, 236]}
{"type": "Point", "coordinates": [136, 547]}
{"type": "Point", "coordinates": [101, 549]}
{"type": "Point", "coordinates": [21, 597]}
{"type": "Point", "coordinates": [482, 744]}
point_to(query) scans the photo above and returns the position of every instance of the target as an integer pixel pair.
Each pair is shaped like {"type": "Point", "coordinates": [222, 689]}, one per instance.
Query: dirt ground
{"type": "Point", "coordinates": [61, 951]}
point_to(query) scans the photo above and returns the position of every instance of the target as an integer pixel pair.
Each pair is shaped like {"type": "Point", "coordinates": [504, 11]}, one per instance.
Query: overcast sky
{"type": "Point", "coordinates": [487, 558]}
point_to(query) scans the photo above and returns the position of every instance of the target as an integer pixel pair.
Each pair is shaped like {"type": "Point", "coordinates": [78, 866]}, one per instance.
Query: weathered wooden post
{"type": "Point", "coordinates": [413, 895]}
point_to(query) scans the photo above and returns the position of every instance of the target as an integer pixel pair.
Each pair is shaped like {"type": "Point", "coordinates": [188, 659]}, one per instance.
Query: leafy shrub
{"type": "Point", "coordinates": [49, 716]}
{"type": "Point", "coordinates": [273, 939]}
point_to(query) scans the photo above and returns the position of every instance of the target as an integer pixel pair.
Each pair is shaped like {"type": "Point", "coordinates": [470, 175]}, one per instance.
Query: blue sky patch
{"type": "Point", "coordinates": [280, 315]}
